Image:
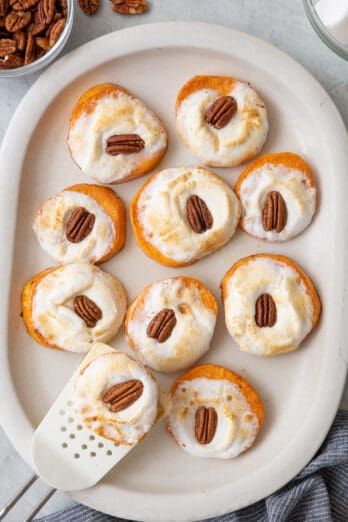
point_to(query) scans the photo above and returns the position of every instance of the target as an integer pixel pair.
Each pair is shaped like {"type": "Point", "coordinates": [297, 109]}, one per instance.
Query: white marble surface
{"type": "Point", "coordinates": [280, 22]}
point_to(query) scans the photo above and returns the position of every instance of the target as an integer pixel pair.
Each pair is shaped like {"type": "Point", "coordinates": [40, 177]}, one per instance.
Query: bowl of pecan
{"type": "Point", "coordinates": [32, 34]}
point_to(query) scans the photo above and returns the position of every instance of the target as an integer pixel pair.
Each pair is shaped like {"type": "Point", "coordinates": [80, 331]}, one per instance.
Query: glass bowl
{"type": "Point", "coordinates": [47, 57]}
{"type": "Point", "coordinates": [335, 45]}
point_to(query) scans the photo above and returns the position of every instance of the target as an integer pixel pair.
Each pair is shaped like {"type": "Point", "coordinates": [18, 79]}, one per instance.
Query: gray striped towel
{"type": "Point", "coordinates": [319, 493]}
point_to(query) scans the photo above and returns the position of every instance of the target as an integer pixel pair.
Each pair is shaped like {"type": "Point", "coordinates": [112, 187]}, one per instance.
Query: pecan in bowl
{"type": "Point", "coordinates": [32, 34]}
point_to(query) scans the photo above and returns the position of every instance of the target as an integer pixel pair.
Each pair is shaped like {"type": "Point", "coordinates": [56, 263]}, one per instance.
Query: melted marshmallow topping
{"type": "Point", "coordinates": [114, 114]}
{"type": "Point", "coordinates": [50, 228]}
{"type": "Point", "coordinates": [293, 303]}
{"type": "Point", "coordinates": [292, 184]}
{"type": "Point", "coordinates": [191, 336]}
{"type": "Point", "coordinates": [237, 424]}
{"type": "Point", "coordinates": [129, 425]}
{"type": "Point", "coordinates": [163, 216]}
{"type": "Point", "coordinates": [53, 312]}
{"type": "Point", "coordinates": [241, 139]}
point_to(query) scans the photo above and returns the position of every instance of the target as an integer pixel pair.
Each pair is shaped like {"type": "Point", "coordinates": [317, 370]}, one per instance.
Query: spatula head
{"type": "Point", "coordinates": [66, 454]}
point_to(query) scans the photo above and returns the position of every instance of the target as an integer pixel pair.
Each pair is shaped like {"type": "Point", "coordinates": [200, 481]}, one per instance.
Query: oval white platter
{"type": "Point", "coordinates": [301, 391]}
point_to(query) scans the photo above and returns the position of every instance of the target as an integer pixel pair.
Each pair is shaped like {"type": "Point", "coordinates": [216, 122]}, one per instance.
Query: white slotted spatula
{"type": "Point", "coordinates": [65, 453]}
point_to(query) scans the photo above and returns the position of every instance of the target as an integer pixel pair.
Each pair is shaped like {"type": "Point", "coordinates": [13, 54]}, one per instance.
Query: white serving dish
{"type": "Point", "coordinates": [301, 391]}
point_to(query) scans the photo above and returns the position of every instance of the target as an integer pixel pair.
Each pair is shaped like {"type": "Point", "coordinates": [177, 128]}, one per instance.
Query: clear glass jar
{"type": "Point", "coordinates": [326, 36]}
{"type": "Point", "coordinates": [47, 57]}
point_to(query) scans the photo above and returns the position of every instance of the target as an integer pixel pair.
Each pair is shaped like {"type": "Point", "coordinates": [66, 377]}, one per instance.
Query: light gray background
{"type": "Point", "coordinates": [280, 22]}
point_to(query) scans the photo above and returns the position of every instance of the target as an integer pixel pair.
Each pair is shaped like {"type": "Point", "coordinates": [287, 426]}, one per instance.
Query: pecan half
{"type": "Point", "coordinates": [124, 144]}
{"type": "Point", "coordinates": [79, 225]}
{"type": "Point", "coordinates": [129, 7]}
{"type": "Point", "coordinates": [162, 325]}
{"type": "Point", "coordinates": [55, 31]}
{"type": "Point", "coordinates": [89, 7]}
{"type": "Point", "coordinates": [42, 42]}
{"type": "Point", "coordinates": [7, 47]}
{"type": "Point", "coordinates": [17, 20]}
{"type": "Point", "coordinates": [50, 27]}
{"type": "Point", "coordinates": [11, 62]}
{"type": "Point", "coordinates": [23, 5]}
{"type": "Point", "coordinates": [265, 311]}
{"type": "Point", "coordinates": [205, 424]}
{"type": "Point", "coordinates": [87, 309]}
{"type": "Point", "coordinates": [45, 11]}
{"type": "Point", "coordinates": [36, 27]}
{"type": "Point", "coordinates": [4, 6]}
{"type": "Point", "coordinates": [30, 51]}
{"type": "Point", "coordinates": [274, 213]}
{"type": "Point", "coordinates": [39, 53]}
{"type": "Point", "coordinates": [198, 214]}
{"type": "Point", "coordinates": [63, 7]}
{"type": "Point", "coordinates": [123, 395]}
{"type": "Point", "coordinates": [21, 39]}
{"type": "Point", "coordinates": [221, 111]}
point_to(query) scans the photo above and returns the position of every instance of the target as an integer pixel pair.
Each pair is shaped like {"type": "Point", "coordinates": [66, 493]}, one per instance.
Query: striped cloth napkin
{"type": "Point", "coordinates": [319, 493]}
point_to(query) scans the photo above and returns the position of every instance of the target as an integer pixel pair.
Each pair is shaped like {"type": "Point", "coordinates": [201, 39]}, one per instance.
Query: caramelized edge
{"type": "Point", "coordinates": [222, 84]}
{"type": "Point", "coordinates": [27, 297]}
